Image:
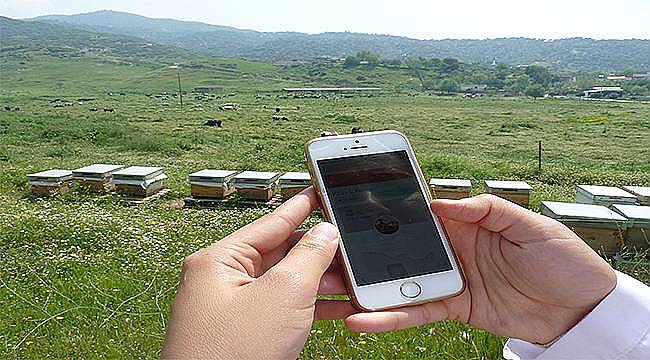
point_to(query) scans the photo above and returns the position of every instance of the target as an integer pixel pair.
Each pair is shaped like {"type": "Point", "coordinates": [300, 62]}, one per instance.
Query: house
{"type": "Point", "coordinates": [604, 92]}
{"type": "Point", "coordinates": [473, 89]}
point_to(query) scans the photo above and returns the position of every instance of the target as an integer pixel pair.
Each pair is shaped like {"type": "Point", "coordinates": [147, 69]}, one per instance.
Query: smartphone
{"type": "Point", "coordinates": [394, 251]}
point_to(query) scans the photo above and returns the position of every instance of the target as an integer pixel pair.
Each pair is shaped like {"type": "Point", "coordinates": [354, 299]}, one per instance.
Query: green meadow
{"type": "Point", "coordinates": [87, 276]}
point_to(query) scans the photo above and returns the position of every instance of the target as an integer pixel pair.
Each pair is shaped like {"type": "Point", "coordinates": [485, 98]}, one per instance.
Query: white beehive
{"type": "Point", "coordinates": [642, 194]}
{"type": "Point", "coordinates": [50, 181]}
{"type": "Point", "coordinates": [603, 195]}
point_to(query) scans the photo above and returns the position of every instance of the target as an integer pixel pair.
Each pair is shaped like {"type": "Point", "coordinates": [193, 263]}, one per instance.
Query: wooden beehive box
{"type": "Point", "coordinates": [50, 182]}
{"type": "Point", "coordinates": [517, 192]}
{"type": "Point", "coordinates": [638, 228]}
{"type": "Point", "coordinates": [450, 188]}
{"type": "Point", "coordinates": [212, 184]}
{"type": "Point", "coordinates": [292, 183]}
{"type": "Point", "coordinates": [96, 176]}
{"type": "Point", "coordinates": [603, 195]}
{"type": "Point", "coordinates": [256, 186]}
{"type": "Point", "coordinates": [601, 228]}
{"type": "Point", "coordinates": [139, 181]}
{"type": "Point", "coordinates": [642, 194]}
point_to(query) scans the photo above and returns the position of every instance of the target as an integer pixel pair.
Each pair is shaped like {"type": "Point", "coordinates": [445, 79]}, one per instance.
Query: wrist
{"type": "Point", "coordinates": [573, 317]}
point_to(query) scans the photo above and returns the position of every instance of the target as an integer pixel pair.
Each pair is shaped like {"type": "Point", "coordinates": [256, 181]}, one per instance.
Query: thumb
{"type": "Point", "coordinates": [313, 253]}
{"type": "Point", "coordinates": [497, 215]}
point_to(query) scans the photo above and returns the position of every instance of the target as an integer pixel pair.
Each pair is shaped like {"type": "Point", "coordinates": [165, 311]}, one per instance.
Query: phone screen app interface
{"type": "Point", "coordinates": [384, 219]}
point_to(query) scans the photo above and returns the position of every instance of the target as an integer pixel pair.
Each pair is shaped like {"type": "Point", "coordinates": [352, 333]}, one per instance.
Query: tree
{"type": "Point", "coordinates": [450, 64]}
{"type": "Point", "coordinates": [539, 74]}
{"type": "Point", "coordinates": [352, 61]}
{"type": "Point", "coordinates": [449, 86]}
{"type": "Point", "coordinates": [535, 91]}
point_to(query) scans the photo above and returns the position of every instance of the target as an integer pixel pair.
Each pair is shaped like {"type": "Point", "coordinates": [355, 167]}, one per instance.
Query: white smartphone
{"type": "Point", "coordinates": [394, 249]}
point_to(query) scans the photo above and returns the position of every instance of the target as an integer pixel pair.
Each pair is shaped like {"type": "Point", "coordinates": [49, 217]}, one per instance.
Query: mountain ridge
{"type": "Point", "coordinates": [579, 54]}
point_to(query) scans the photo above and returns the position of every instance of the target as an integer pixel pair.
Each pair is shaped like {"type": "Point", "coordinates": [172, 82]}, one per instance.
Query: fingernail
{"type": "Point", "coordinates": [326, 231]}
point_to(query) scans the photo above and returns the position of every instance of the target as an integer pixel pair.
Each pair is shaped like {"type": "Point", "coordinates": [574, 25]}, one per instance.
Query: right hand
{"type": "Point", "coordinates": [527, 276]}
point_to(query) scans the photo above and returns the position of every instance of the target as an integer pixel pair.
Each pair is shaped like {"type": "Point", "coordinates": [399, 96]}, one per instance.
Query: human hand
{"type": "Point", "coordinates": [253, 294]}
{"type": "Point", "coordinates": [528, 276]}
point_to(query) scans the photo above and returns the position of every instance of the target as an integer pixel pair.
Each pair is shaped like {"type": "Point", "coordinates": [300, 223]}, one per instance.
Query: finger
{"type": "Point", "coordinates": [273, 229]}
{"type": "Point", "coordinates": [332, 284]}
{"type": "Point", "coordinates": [272, 257]}
{"type": "Point", "coordinates": [397, 319]}
{"type": "Point", "coordinates": [313, 254]}
{"type": "Point", "coordinates": [497, 215]}
{"type": "Point", "coordinates": [333, 310]}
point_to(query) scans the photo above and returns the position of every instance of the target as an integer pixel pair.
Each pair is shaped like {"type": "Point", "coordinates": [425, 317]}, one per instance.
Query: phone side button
{"type": "Point", "coordinates": [410, 290]}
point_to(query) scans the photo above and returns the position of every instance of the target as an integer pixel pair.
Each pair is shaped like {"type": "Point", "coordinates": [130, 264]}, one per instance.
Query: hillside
{"type": "Point", "coordinates": [22, 40]}
{"type": "Point", "coordinates": [572, 54]}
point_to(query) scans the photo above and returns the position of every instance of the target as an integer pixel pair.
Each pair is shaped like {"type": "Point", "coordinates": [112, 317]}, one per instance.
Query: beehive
{"type": "Point", "coordinates": [638, 227]}
{"type": "Point", "coordinates": [450, 188]}
{"type": "Point", "coordinates": [292, 183]}
{"type": "Point", "coordinates": [139, 181]}
{"type": "Point", "coordinates": [603, 195]}
{"type": "Point", "coordinates": [256, 186]}
{"type": "Point", "coordinates": [601, 228]}
{"type": "Point", "coordinates": [50, 182]}
{"type": "Point", "coordinates": [96, 176]}
{"type": "Point", "coordinates": [212, 184]}
{"type": "Point", "coordinates": [516, 191]}
{"type": "Point", "coordinates": [642, 194]}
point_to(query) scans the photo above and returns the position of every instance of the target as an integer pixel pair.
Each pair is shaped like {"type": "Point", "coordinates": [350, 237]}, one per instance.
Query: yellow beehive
{"type": "Point", "coordinates": [256, 186]}
{"type": "Point", "coordinates": [292, 183]}
{"type": "Point", "coordinates": [638, 228]}
{"type": "Point", "coordinates": [450, 188]}
{"type": "Point", "coordinates": [601, 228]}
{"type": "Point", "coordinates": [212, 184]}
{"type": "Point", "coordinates": [517, 192]}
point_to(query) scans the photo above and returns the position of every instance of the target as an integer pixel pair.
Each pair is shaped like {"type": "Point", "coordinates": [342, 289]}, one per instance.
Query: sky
{"type": "Point", "coordinates": [456, 19]}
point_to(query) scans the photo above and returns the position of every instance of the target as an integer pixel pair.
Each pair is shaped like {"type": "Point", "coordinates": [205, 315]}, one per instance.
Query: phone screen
{"type": "Point", "coordinates": [385, 223]}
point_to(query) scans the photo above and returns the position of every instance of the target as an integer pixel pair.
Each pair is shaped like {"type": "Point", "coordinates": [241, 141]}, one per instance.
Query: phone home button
{"type": "Point", "coordinates": [410, 290]}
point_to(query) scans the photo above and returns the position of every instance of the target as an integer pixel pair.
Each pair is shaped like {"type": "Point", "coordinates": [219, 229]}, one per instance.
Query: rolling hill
{"type": "Point", "coordinates": [570, 54]}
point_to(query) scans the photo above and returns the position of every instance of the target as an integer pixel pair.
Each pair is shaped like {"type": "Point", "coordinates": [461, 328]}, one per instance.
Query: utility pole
{"type": "Point", "coordinates": [180, 89]}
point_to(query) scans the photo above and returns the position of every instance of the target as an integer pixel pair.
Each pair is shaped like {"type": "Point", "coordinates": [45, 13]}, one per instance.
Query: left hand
{"type": "Point", "coordinates": [253, 294]}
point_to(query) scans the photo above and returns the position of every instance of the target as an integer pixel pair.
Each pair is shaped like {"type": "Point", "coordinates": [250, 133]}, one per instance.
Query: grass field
{"type": "Point", "coordinates": [84, 276]}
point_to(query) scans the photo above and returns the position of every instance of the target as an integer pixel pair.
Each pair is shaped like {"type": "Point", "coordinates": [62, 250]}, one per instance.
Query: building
{"type": "Point", "coordinates": [604, 92]}
{"type": "Point", "coordinates": [207, 90]}
{"type": "Point", "coordinates": [613, 77]}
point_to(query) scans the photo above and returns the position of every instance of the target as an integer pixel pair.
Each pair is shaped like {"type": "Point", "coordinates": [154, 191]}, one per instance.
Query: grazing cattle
{"type": "Point", "coordinates": [8, 108]}
{"type": "Point", "coordinates": [277, 109]}
{"type": "Point", "coordinates": [94, 109]}
{"type": "Point", "coordinates": [328, 133]}
{"type": "Point", "coordinates": [109, 110]}
{"type": "Point", "coordinates": [213, 122]}
{"type": "Point", "coordinates": [58, 105]}
{"type": "Point", "coordinates": [280, 118]}
{"type": "Point", "coordinates": [356, 130]}
{"type": "Point", "coordinates": [17, 108]}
